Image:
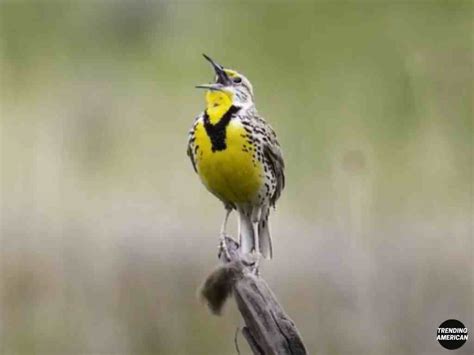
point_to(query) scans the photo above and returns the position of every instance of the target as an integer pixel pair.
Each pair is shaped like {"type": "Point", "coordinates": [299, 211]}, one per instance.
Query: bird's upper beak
{"type": "Point", "coordinates": [222, 77]}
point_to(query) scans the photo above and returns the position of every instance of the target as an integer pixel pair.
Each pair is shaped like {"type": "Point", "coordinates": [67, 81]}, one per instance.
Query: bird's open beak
{"type": "Point", "coordinates": [222, 77]}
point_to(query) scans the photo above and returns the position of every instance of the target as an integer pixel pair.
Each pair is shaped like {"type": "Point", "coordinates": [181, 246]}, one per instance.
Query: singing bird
{"type": "Point", "coordinates": [237, 157]}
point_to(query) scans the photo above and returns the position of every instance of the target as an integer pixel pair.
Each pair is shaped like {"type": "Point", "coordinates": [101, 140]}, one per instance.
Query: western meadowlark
{"type": "Point", "coordinates": [237, 156]}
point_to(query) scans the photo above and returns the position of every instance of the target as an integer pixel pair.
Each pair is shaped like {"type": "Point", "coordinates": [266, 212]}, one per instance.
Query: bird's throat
{"type": "Point", "coordinates": [218, 104]}
{"type": "Point", "coordinates": [217, 132]}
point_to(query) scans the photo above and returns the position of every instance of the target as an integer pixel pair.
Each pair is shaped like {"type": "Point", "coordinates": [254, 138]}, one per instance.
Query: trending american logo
{"type": "Point", "coordinates": [452, 334]}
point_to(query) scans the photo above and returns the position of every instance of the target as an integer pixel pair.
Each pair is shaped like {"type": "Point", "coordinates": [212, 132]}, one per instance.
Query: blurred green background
{"type": "Point", "coordinates": [106, 232]}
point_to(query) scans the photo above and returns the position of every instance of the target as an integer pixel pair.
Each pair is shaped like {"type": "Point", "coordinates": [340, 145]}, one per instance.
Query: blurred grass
{"type": "Point", "coordinates": [106, 233]}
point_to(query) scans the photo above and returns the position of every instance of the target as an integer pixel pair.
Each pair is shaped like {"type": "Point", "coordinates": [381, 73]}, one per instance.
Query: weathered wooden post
{"type": "Point", "coordinates": [268, 329]}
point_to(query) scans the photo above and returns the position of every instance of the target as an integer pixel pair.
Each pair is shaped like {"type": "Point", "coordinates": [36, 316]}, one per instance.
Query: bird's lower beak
{"type": "Point", "coordinates": [212, 87]}
{"type": "Point", "coordinates": [222, 77]}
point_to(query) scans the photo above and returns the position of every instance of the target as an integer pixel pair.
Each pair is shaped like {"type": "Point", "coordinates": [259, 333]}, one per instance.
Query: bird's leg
{"type": "Point", "coordinates": [223, 244]}
{"type": "Point", "coordinates": [224, 224]}
{"type": "Point", "coordinates": [257, 254]}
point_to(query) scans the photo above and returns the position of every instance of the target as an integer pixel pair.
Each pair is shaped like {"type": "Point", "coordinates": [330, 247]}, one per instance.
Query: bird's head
{"type": "Point", "coordinates": [229, 88]}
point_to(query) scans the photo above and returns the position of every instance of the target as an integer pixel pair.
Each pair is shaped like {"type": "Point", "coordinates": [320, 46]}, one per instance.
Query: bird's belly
{"type": "Point", "coordinates": [232, 174]}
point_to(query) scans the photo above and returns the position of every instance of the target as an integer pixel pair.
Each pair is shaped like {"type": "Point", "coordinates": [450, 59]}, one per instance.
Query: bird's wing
{"type": "Point", "coordinates": [191, 138]}
{"type": "Point", "coordinates": [273, 153]}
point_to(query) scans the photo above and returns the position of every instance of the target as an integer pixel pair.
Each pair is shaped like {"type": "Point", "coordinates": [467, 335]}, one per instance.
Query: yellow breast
{"type": "Point", "coordinates": [231, 173]}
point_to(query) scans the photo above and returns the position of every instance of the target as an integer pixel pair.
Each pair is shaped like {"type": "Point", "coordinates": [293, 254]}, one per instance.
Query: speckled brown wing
{"type": "Point", "coordinates": [273, 155]}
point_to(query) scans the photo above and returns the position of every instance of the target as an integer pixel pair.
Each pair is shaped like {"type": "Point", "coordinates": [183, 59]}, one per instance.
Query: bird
{"type": "Point", "coordinates": [237, 157]}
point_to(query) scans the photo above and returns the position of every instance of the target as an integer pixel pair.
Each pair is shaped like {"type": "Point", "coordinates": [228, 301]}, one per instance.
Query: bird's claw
{"type": "Point", "coordinates": [223, 248]}
{"type": "Point", "coordinates": [252, 261]}
{"type": "Point", "coordinates": [256, 266]}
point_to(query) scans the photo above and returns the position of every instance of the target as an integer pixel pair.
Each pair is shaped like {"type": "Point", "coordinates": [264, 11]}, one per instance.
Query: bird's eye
{"type": "Point", "coordinates": [237, 79]}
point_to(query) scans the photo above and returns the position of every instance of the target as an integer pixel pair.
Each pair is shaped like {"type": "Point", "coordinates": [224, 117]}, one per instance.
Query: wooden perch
{"type": "Point", "coordinates": [268, 329]}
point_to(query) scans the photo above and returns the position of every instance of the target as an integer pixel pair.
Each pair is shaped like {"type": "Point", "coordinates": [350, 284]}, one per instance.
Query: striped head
{"type": "Point", "coordinates": [234, 86]}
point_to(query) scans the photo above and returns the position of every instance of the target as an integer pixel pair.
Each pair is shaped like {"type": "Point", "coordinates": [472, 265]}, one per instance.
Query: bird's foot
{"type": "Point", "coordinates": [256, 269]}
{"type": "Point", "coordinates": [256, 266]}
{"type": "Point", "coordinates": [223, 248]}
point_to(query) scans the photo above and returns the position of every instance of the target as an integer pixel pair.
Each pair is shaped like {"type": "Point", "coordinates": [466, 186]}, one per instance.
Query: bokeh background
{"type": "Point", "coordinates": [106, 232]}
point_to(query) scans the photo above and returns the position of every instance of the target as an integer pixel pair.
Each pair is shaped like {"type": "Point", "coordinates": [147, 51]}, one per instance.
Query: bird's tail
{"type": "Point", "coordinates": [253, 233]}
{"type": "Point", "coordinates": [264, 238]}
